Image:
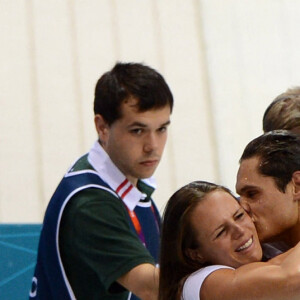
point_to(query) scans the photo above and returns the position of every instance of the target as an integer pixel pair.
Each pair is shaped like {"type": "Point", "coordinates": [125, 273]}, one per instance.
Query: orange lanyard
{"type": "Point", "coordinates": [137, 225]}
{"type": "Point", "coordinates": [132, 214]}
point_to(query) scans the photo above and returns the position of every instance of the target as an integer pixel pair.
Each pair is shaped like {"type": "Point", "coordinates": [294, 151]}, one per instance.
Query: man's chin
{"type": "Point", "coordinates": [263, 238]}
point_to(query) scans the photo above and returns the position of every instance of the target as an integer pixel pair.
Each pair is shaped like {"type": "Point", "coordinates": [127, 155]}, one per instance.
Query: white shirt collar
{"type": "Point", "coordinates": [109, 172]}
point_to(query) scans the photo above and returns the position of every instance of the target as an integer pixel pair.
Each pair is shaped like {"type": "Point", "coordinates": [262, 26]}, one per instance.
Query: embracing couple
{"type": "Point", "coordinates": [211, 240]}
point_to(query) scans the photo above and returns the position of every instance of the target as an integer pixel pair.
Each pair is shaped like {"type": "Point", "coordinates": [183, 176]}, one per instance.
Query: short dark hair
{"type": "Point", "coordinates": [283, 112]}
{"type": "Point", "coordinates": [127, 80]}
{"type": "Point", "coordinates": [279, 155]}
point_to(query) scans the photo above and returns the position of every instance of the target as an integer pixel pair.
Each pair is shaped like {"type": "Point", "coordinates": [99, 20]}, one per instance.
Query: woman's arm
{"type": "Point", "coordinates": [274, 280]}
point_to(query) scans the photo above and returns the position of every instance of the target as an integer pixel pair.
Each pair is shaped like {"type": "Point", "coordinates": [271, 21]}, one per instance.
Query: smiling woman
{"type": "Point", "coordinates": [210, 250]}
{"type": "Point", "coordinates": [224, 233]}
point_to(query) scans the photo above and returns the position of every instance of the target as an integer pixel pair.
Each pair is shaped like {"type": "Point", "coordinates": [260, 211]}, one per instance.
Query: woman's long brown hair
{"type": "Point", "coordinates": [178, 236]}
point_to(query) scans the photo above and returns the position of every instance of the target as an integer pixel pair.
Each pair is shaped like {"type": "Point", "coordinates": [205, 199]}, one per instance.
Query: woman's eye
{"type": "Point", "coordinates": [220, 233]}
{"type": "Point", "coordinates": [240, 215]}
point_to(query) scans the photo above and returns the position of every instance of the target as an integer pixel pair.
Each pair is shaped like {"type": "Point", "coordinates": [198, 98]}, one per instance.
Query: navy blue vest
{"type": "Point", "coordinates": [50, 281]}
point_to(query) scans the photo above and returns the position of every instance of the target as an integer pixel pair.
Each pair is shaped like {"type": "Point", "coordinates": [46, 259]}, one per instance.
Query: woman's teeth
{"type": "Point", "coordinates": [246, 245]}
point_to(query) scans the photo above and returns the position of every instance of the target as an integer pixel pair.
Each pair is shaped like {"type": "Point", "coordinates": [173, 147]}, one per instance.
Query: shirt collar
{"type": "Point", "coordinates": [109, 172]}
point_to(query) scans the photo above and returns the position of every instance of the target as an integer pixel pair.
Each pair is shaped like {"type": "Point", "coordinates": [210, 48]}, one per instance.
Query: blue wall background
{"type": "Point", "coordinates": [18, 251]}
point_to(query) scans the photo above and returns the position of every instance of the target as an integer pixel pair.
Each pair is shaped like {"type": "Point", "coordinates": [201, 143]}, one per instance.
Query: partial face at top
{"type": "Point", "coordinates": [136, 141]}
{"type": "Point", "coordinates": [225, 232]}
{"type": "Point", "coordinates": [272, 211]}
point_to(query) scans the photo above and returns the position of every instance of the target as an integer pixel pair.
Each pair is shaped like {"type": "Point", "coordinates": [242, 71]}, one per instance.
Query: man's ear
{"type": "Point", "coordinates": [102, 128]}
{"type": "Point", "coordinates": [195, 255]}
{"type": "Point", "coordinates": [296, 185]}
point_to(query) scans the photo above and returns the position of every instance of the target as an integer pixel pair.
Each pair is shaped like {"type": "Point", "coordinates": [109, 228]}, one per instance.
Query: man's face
{"type": "Point", "coordinates": [136, 141]}
{"type": "Point", "coordinates": [272, 211]}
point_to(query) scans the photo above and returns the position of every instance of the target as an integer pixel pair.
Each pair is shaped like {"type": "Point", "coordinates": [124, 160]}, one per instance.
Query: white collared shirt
{"type": "Point", "coordinates": [109, 172]}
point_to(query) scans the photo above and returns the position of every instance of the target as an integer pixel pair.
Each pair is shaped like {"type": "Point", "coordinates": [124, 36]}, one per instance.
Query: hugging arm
{"type": "Point", "coordinates": [274, 280]}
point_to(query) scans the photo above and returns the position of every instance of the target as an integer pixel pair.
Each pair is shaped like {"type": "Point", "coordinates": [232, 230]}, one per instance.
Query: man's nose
{"type": "Point", "coordinates": [151, 142]}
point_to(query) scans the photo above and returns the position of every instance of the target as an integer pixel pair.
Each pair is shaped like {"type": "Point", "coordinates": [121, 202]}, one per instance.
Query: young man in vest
{"type": "Point", "coordinates": [100, 237]}
{"type": "Point", "coordinates": [268, 182]}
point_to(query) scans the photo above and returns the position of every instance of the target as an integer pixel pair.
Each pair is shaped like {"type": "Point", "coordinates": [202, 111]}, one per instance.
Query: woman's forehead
{"type": "Point", "coordinates": [215, 208]}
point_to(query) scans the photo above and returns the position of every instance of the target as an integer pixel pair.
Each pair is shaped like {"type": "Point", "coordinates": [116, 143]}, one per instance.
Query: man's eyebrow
{"type": "Point", "coordinates": [166, 123]}
{"type": "Point", "coordinates": [245, 188]}
{"type": "Point", "coordinates": [139, 124]}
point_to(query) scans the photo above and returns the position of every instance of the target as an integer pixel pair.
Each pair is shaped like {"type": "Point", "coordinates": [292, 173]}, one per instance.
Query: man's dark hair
{"type": "Point", "coordinates": [278, 152]}
{"type": "Point", "coordinates": [128, 80]}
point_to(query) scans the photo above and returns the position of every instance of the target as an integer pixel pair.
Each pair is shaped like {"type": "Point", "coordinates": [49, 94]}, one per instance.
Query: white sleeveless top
{"type": "Point", "coordinates": [192, 286]}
